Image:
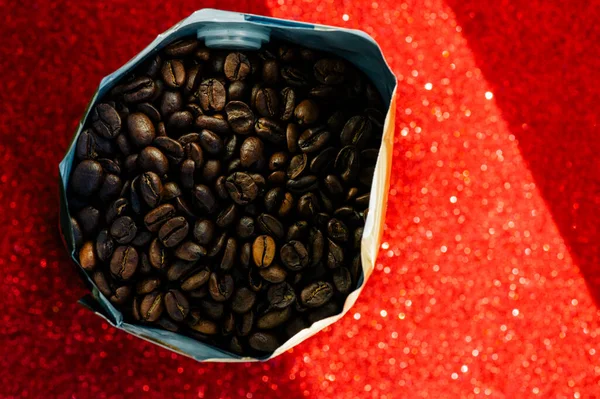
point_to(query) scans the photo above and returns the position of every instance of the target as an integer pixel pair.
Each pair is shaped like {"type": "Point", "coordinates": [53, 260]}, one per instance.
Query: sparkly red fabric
{"type": "Point", "coordinates": [488, 274]}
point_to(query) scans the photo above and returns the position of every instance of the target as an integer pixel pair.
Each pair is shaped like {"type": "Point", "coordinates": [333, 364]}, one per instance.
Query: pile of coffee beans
{"type": "Point", "coordinates": [222, 194]}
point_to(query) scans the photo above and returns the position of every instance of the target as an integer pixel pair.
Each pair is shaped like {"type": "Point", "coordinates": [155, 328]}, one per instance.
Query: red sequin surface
{"type": "Point", "coordinates": [488, 272]}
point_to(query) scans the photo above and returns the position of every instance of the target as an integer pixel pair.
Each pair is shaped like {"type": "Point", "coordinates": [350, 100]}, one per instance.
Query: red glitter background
{"type": "Point", "coordinates": [488, 277]}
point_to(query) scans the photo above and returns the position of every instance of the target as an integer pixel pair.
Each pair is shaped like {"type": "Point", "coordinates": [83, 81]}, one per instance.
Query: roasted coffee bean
{"type": "Point", "coordinates": [251, 152]}
{"type": "Point", "coordinates": [123, 230]}
{"type": "Point", "coordinates": [281, 296]}
{"type": "Point", "coordinates": [205, 199]}
{"type": "Point", "coordinates": [180, 270]}
{"type": "Point", "coordinates": [210, 142]}
{"type": "Point", "coordinates": [218, 245]}
{"type": "Point", "coordinates": [106, 121]}
{"type": "Point", "coordinates": [173, 73]}
{"type": "Point", "coordinates": [274, 318]}
{"type": "Point", "coordinates": [242, 189]}
{"type": "Point", "coordinates": [273, 274]}
{"type": "Point", "coordinates": [180, 120]}
{"type": "Point", "coordinates": [147, 285]}
{"type": "Point", "coordinates": [245, 255]}
{"type": "Point", "coordinates": [294, 76]}
{"type": "Point", "coordinates": [206, 327]}
{"type": "Point", "coordinates": [196, 280]}
{"type": "Point", "coordinates": [105, 246]}
{"type": "Point", "coordinates": [270, 72]}
{"type": "Point", "coordinates": [240, 117]}
{"type": "Point", "coordinates": [212, 123]}
{"type": "Point", "coordinates": [308, 206]}
{"type": "Point", "coordinates": [263, 342]}
{"type": "Point", "coordinates": [270, 225]}
{"type": "Point", "coordinates": [138, 90]}
{"type": "Point", "coordinates": [156, 217]}
{"type": "Point", "coordinates": [220, 287]}
{"type": "Point", "coordinates": [87, 177]}
{"type": "Point", "coordinates": [228, 324]}
{"type": "Point", "coordinates": [150, 188]}
{"type": "Point", "coordinates": [270, 130]}
{"type": "Point", "coordinates": [116, 209]}
{"type": "Point", "coordinates": [151, 306]}
{"type": "Point", "coordinates": [337, 231]}
{"type": "Point", "coordinates": [184, 207]}
{"type": "Point", "coordinates": [157, 255]}
{"type": "Point", "coordinates": [227, 216]}
{"type": "Point", "coordinates": [86, 146]}
{"type": "Point", "coordinates": [110, 189]}
{"type": "Point", "coordinates": [181, 48]}
{"type": "Point", "coordinates": [357, 131]}
{"type": "Point", "coordinates": [294, 255]}
{"type": "Point", "coordinates": [170, 102]}
{"type": "Point", "coordinates": [263, 251]}
{"type": "Point", "coordinates": [234, 166]}
{"type": "Point", "coordinates": [188, 167]}
{"type": "Point", "coordinates": [120, 295]}
{"type": "Point", "coordinates": [229, 254]}
{"type": "Point", "coordinates": [347, 163]}
{"type": "Point", "coordinates": [89, 220]}
{"type": "Point", "coordinates": [330, 71]}
{"type": "Point", "coordinates": [150, 111]}
{"type": "Point", "coordinates": [297, 166]}
{"type": "Point", "coordinates": [307, 112]}
{"type": "Point", "coordinates": [87, 256]}
{"type": "Point", "coordinates": [316, 294]}
{"type": "Point", "coordinates": [349, 216]}
{"type": "Point", "coordinates": [297, 231]}
{"type": "Point", "coordinates": [236, 91]}
{"type": "Point", "coordinates": [102, 283]}
{"type": "Point", "coordinates": [231, 147]}
{"type": "Point", "coordinates": [172, 149]}
{"type": "Point", "coordinates": [212, 95]}
{"type": "Point", "coordinates": [266, 102]}
{"type": "Point", "coordinates": [110, 165]}
{"type": "Point", "coordinates": [302, 184]}
{"type": "Point", "coordinates": [141, 129]}
{"type": "Point", "coordinates": [144, 268]}
{"type": "Point", "coordinates": [342, 280]}
{"type": "Point", "coordinates": [170, 190]}
{"type": "Point", "coordinates": [173, 231]}
{"type": "Point", "coordinates": [333, 185]}
{"type": "Point", "coordinates": [236, 67]}
{"type": "Point", "coordinates": [124, 262]}
{"type": "Point", "coordinates": [335, 254]}
{"type": "Point", "coordinates": [244, 324]}
{"type": "Point", "coordinates": [314, 139]}
{"type": "Point", "coordinates": [277, 178]}
{"type": "Point", "coordinates": [243, 300]}
{"type": "Point", "coordinates": [316, 246]}
{"type": "Point", "coordinates": [153, 66]}
{"type": "Point", "coordinates": [323, 160]}
{"type": "Point", "coordinates": [211, 170]}
{"type": "Point", "coordinates": [152, 159]}
{"type": "Point", "coordinates": [204, 231]}
{"type": "Point", "coordinates": [190, 251]}
{"type": "Point", "coordinates": [177, 305]}
{"type": "Point", "coordinates": [221, 188]}
{"type": "Point", "coordinates": [194, 152]}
